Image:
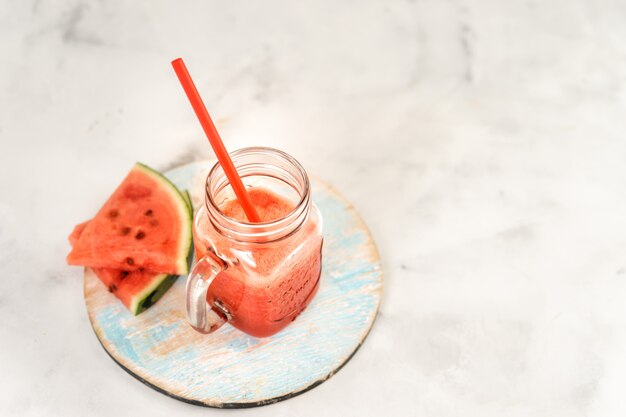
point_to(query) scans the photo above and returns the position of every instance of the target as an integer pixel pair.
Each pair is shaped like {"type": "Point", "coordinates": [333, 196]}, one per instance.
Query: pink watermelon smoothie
{"type": "Point", "coordinates": [269, 206]}
{"type": "Point", "coordinates": [270, 283]}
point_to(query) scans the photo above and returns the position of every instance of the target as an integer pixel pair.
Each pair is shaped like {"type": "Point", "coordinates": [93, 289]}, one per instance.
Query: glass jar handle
{"type": "Point", "coordinates": [203, 317]}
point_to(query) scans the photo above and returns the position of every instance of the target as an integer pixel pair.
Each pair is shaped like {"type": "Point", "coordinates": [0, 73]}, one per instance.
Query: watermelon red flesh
{"type": "Point", "coordinates": [146, 224]}
{"type": "Point", "coordinates": [78, 230]}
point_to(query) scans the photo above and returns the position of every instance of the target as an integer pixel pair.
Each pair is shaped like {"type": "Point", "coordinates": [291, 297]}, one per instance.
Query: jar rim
{"type": "Point", "coordinates": [252, 230]}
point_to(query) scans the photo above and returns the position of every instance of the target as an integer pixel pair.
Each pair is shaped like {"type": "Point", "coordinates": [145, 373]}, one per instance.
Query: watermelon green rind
{"type": "Point", "coordinates": [156, 295]}
{"type": "Point", "coordinates": [187, 198]}
{"type": "Point", "coordinates": [183, 210]}
{"type": "Point", "coordinates": [151, 293]}
{"type": "Point", "coordinates": [190, 203]}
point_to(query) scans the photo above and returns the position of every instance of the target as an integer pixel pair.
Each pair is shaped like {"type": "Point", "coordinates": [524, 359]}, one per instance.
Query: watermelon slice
{"type": "Point", "coordinates": [140, 289]}
{"type": "Point", "coordinates": [145, 224]}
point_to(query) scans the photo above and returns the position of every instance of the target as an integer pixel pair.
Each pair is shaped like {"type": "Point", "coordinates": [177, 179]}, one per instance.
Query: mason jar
{"type": "Point", "coordinates": [256, 276]}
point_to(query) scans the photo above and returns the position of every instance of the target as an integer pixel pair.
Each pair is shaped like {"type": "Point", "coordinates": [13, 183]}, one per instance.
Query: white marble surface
{"type": "Point", "coordinates": [482, 141]}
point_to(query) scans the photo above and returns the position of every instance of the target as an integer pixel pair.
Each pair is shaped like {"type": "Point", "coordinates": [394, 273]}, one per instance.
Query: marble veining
{"type": "Point", "coordinates": [481, 141]}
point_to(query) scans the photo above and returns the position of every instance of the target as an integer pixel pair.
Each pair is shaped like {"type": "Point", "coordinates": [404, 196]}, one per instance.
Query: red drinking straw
{"type": "Point", "coordinates": [215, 140]}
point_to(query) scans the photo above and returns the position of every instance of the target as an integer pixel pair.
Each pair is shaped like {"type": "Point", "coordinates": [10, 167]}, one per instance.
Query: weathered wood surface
{"type": "Point", "coordinates": [229, 368]}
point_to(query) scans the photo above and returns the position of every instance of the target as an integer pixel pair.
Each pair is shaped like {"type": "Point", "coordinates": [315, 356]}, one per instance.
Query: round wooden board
{"type": "Point", "coordinates": [229, 369]}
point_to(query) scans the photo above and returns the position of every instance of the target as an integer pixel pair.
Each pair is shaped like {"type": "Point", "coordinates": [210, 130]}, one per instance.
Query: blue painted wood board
{"type": "Point", "coordinates": [229, 368]}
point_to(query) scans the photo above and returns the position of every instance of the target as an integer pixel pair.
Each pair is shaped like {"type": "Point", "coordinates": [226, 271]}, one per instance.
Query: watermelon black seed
{"type": "Point", "coordinates": [140, 235]}
{"type": "Point", "coordinates": [112, 288]}
{"type": "Point", "coordinates": [113, 214]}
{"type": "Point", "coordinates": [148, 213]}
{"type": "Point", "coordinates": [141, 269]}
{"type": "Point", "coordinates": [130, 261]}
{"type": "Point", "coordinates": [123, 274]}
{"type": "Point", "coordinates": [125, 230]}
